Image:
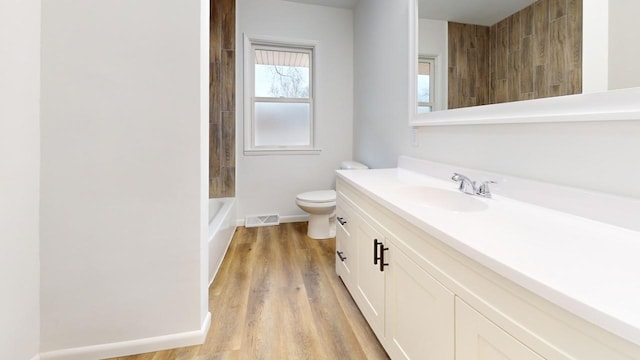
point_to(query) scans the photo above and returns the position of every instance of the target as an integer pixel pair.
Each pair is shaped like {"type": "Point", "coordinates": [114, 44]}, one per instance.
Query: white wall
{"type": "Point", "coordinates": [610, 47]}
{"type": "Point", "coordinates": [597, 156]}
{"type": "Point", "coordinates": [269, 184]}
{"type": "Point", "coordinates": [122, 219]}
{"type": "Point", "coordinates": [432, 41]}
{"type": "Point", "coordinates": [381, 108]}
{"type": "Point", "coordinates": [19, 178]}
{"type": "Point", "coordinates": [624, 50]}
{"type": "Point", "coordinates": [595, 45]}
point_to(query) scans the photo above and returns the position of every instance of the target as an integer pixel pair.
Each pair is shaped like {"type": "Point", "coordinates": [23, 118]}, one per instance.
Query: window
{"type": "Point", "coordinates": [279, 111]}
{"type": "Point", "coordinates": [426, 84]}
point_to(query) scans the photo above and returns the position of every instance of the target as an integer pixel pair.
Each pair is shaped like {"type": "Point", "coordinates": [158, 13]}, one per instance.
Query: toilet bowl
{"type": "Point", "coordinates": [321, 207]}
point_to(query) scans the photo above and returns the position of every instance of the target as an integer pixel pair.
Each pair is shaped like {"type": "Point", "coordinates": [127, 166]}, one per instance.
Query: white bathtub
{"type": "Point", "coordinates": [222, 219]}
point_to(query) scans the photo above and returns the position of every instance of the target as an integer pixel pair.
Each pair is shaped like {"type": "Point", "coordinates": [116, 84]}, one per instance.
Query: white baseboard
{"type": "Point", "coordinates": [131, 347]}
{"type": "Point", "coordinates": [283, 219]}
{"type": "Point", "coordinates": [36, 357]}
{"type": "Point", "coordinates": [294, 218]}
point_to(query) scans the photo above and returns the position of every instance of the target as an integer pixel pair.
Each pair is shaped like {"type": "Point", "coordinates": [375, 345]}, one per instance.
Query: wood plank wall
{"type": "Point", "coordinates": [222, 157]}
{"type": "Point", "coordinates": [468, 65]}
{"type": "Point", "coordinates": [534, 53]}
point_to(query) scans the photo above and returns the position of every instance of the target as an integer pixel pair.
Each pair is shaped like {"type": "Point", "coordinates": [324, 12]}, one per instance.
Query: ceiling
{"type": "Point", "coordinates": [480, 12]}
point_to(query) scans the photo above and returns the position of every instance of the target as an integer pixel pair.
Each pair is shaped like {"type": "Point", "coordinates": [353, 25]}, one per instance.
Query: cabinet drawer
{"type": "Point", "coordinates": [345, 242]}
{"type": "Point", "coordinates": [344, 255]}
{"type": "Point", "coordinates": [344, 214]}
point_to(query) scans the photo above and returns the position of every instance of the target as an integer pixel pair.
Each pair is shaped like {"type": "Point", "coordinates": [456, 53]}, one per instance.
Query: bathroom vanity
{"type": "Point", "coordinates": [439, 274]}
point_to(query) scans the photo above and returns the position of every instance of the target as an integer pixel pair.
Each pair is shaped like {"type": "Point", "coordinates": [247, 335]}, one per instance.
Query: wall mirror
{"type": "Point", "coordinates": [483, 61]}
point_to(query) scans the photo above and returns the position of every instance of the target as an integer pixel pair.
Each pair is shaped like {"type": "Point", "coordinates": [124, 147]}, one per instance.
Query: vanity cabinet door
{"type": "Point", "coordinates": [346, 246]}
{"type": "Point", "coordinates": [419, 311]}
{"type": "Point", "coordinates": [369, 279]}
{"type": "Point", "coordinates": [477, 338]}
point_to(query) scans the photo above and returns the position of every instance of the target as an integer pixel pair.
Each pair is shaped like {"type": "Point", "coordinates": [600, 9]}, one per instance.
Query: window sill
{"type": "Point", "coordinates": [260, 152]}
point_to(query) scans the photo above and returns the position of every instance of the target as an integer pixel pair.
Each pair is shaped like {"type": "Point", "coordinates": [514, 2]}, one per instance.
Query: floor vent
{"type": "Point", "coordinates": [262, 220]}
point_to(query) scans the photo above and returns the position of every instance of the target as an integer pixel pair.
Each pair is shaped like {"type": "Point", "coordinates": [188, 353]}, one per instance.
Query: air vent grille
{"type": "Point", "coordinates": [262, 220]}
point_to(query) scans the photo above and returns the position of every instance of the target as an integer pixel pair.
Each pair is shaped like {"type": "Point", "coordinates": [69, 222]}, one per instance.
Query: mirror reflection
{"type": "Point", "coordinates": [426, 83]}
{"type": "Point", "coordinates": [487, 52]}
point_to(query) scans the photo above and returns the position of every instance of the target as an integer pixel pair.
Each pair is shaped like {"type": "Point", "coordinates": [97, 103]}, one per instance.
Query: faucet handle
{"type": "Point", "coordinates": [484, 190]}
{"type": "Point", "coordinates": [458, 177]}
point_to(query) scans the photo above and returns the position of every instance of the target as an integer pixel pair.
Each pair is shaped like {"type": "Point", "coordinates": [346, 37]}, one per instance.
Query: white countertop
{"type": "Point", "coordinates": [589, 268]}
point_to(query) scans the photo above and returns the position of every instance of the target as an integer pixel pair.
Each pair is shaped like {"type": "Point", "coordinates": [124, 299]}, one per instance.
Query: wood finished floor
{"type": "Point", "coordinates": [277, 296]}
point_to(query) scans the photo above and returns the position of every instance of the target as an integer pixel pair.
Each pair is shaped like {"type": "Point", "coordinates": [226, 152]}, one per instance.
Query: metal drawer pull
{"type": "Point", "coordinates": [382, 263]}
{"type": "Point", "coordinates": [376, 256]}
{"type": "Point", "coordinates": [342, 257]}
{"type": "Point", "coordinates": [341, 220]}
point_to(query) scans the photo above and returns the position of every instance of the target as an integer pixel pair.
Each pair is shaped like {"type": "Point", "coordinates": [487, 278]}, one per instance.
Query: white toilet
{"type": "Point", "coordinates": [321, 207]}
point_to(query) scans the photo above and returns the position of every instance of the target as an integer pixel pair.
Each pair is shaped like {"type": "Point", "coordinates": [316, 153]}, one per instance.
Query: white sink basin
{"type": "Point", "coordinates": [438, 198]}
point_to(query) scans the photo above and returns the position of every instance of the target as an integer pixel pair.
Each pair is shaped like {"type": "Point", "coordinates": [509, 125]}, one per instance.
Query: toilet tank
{"type": "Point", "coordinates": [352, 165]}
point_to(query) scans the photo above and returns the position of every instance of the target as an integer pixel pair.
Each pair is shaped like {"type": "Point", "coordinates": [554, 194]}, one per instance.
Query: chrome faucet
{"type": "Point", "coordinates": [468, 186]}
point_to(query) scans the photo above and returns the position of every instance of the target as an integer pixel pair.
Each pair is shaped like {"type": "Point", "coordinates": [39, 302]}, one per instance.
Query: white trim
{"type": "Point", "coordinates": [283, 219]}
{"type": "Point", "coordinates": [277, 40]}
{"type": "Point", "coordinates": [619, 105]}
{"type": "Point", "coordinates": [36, 357]}
{"type": "Point", "coordinates": [294, 218]}
{"type": "Point", "coordinates": [443, 70]}
{"type": "Point", "coordinates": [133, 346]}
{"type": "Point", "coordinates": [247, 91]}
{"type": "Point", "coordinates": [283, 100]}
{"type": "Point", "coordinates": [205, 10]}
{"type": "Point", "coordinates": [434, 74]}
{"type": "Point", "coordinates": [248, 102]}
{"type": "Point", "coordinates": [595, 46]}
{"type": "Point", "coordinates": [286, 151]}
{"type": "Point", "coordinates": [413, 60]}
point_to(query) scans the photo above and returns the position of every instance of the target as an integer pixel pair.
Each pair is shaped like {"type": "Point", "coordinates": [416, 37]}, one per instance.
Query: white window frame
{"type": "Point", "coordinates": [433, 93]}
{"type": "Point", "coordinates": [249, 99]}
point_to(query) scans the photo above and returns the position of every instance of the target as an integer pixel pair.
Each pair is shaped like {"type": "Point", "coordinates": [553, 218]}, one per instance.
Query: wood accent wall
{"type": "Point", "coordinates": [222, 124]}
{"type": "Point", "coordinates": [534, 53]}
{"type": "Point", "coordinates": [468, 65]}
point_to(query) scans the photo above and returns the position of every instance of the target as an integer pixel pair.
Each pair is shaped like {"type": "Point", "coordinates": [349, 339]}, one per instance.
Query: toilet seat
{"type": "Point", "coordinates": [316, 197]}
